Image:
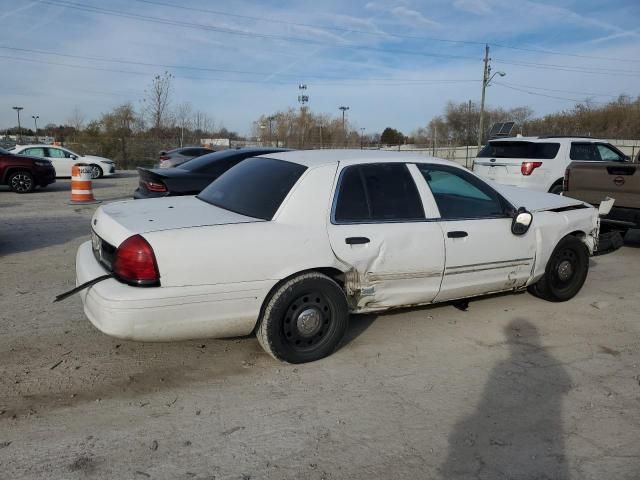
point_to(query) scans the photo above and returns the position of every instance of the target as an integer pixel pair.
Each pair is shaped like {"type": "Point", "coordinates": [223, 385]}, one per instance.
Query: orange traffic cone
{"type": "Point", "coordinates": [81, 190]}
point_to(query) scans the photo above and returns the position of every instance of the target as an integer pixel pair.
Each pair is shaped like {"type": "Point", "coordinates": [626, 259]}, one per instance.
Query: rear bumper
{"type": "Point", "coordinates": [164, 313]}
{"type": "Point", "coordinates": [140, 194]}
{"type": "Point", "coordinates": [622, 218]}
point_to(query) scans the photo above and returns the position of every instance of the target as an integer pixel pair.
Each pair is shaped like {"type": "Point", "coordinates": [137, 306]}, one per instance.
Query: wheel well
{"type": "Point", "coordinates": [557, 182]}
{"type": "Point", "coordinates": [12, 170]}
{"type": "Point", "coordinates": [331, 272]}
{"type": "Point", "coordinates": [578, 233]}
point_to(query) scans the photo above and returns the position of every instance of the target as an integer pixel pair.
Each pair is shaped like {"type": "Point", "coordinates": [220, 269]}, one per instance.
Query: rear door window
{"type": "Point", "coordinates": [529, 150]}
{"type": "Point", "coordinates": [34, 152]}
{"type": "Point", "coordinates": [381, 192]}
{"type": "Point", "coordinates": [584, 151]}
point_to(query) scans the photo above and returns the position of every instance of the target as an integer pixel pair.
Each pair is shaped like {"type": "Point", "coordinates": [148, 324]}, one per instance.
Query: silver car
{"type": "Point", "coordinates": [177, 156]}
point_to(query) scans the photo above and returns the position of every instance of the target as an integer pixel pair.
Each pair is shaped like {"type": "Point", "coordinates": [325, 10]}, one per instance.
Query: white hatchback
{"type": "Point", "coordinates": [287, 245]}
{"type": "Point", "coordinates": [539, 163]}
{"type": "Point", "coordinates": [63, 159]}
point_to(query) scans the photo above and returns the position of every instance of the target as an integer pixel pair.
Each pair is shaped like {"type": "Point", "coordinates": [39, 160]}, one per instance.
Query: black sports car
{"type": "Point", "coordinates": [193, 176]}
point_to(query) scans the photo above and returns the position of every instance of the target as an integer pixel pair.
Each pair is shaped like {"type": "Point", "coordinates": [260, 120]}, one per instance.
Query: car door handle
{"type": "Point", "coordinates": [356, 240]}
{"type": "Point", "coordinates": [457, 234]}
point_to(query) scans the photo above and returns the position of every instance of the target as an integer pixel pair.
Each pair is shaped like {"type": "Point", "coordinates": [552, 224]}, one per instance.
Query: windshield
{"type": "Point", "coordinates": [255, 187]}
{"type": "Point", "coordinates": [2, 150]}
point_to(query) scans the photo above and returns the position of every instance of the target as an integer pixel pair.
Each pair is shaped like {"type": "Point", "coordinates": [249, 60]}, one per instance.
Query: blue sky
{"type": "Point", "coordinates": [384, 59]}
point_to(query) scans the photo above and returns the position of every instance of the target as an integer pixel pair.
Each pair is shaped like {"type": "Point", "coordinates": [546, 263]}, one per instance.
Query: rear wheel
{"type": "Point", "coordinates": [305, 319]}
{"type": "Point", "coordinates": [21, 182]}
{"type": "Point", "coordinates": [566, 271]}
{"type": "Point", "coordinates": [556, 188]}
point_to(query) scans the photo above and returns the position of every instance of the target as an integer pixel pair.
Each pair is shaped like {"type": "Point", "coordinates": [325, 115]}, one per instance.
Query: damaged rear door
{"type": "Point", "coordinates": [378, 227]}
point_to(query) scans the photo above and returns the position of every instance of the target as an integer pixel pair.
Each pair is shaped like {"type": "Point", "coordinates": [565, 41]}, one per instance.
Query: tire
{"type": "Point", "coordinates": [556, 188]}
{"type": "Point", "coordinates": [96, 172]}
{"type": "Point", "coordinates": [565, 273]}
{"type": "Point", "coordinates": [304, 319]}
{"type": "Point", "coordinates": [21, 182]}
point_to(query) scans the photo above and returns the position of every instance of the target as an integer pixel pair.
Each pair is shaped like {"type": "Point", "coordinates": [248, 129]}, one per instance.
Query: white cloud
{"type": "Point", "coordinates": [413, 17]}
{"type": "Point", "coordinates": [477, 7]}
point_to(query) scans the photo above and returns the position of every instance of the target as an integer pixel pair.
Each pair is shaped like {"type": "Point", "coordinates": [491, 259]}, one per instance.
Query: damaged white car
{"type": "Point", "coordinates": [290, 244]}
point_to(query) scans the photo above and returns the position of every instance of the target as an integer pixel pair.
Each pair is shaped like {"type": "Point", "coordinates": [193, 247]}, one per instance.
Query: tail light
{"type": "Point", "coordinates": [135, 263]}
{"type": "Point", "coordinates": [164, 157]}
{"type": "Point", "coordinates": [565, 180]}
{"type": "Point", "coordinates": [155, 186]}
{"type": "Point", "coordinates": [527, 168]}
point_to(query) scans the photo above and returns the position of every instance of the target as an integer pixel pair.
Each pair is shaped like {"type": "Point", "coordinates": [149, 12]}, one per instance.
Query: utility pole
{"type": "Point", "coordinates": [362, 138]}
{"type": "Point", "coordinates": [35, 121]}
{"type": "Point", "coordinates": [17, 109]}
{"type": "Point", "coordinates": [468, 139]}
{"type": "Point", "coordinates": [486, 80]}
{"type": "Point", "coordinates": [435, 138]}
{"type": "Point", "coordinates": [303, 99]}
{"type": "Point", "coordinates": [344, 131]}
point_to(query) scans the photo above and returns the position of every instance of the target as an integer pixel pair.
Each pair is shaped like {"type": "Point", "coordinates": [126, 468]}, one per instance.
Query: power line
{"type": "Point", "coordinates": [544, 95]}
{"type": "Point", "coordinates": [220, 70]}
{"type": "Point", "coordinates": [200, 26]}
{"type": "Point", "coordinates": [603, 70]}
{"type": "Point", "coordinates": [591, 94]}
{"type": "Point", "coordinates": [379, 33]}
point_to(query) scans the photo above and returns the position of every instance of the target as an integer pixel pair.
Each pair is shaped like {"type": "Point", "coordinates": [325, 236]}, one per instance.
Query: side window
{"type": "Point", "coordinates": [34, 152]}
{"type": "Point", "coordinates": [607, 154]}
{"type": "Point", "coordinates": [460, 195]}
{"type": "Point", "coordinates": [378, 193]}
{"type": "Point", "coordinates": [56, 153]}
{"type": "Point", "coordinates": [584, 151]}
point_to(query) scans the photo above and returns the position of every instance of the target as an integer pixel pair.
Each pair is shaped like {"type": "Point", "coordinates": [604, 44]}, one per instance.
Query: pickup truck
{"type": "Point", "coordinates": [592, 182]}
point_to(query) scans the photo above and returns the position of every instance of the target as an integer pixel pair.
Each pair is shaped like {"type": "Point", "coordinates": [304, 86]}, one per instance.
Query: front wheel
{"type": "Point", "coordinates": [96, 172]}
{"type": "Point", "coordinates": [21, 182]}
{"type": "Point", "coordinates": [566, 271]}
{"type": "Point", "coordinates": [305, 319]}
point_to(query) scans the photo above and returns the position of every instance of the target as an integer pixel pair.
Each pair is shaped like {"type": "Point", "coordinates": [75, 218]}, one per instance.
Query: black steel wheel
{"type": "Point", "coordinates": [304, 319]}
{"type": "Point", "coordinates": [565, 273]}
{"type": "Point", "coordinates": [21, 182]}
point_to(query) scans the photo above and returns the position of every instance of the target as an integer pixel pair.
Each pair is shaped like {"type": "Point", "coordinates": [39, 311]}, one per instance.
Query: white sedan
{"type": "Point", "coordinates": [63, 159]}
{"type": "Point", "coordinates": [287, 245]}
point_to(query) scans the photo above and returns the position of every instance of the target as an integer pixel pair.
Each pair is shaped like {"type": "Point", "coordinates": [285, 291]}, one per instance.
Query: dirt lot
{"type": "Point", "coordinates": [513, 388]}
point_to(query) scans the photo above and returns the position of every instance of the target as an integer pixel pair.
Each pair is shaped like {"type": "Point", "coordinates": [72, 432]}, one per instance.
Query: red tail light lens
{"type": "Point", "coordinates": [155, 186]}
{"type": "Point", "coordinates": [527, 168]}
{"type": "Point", "coordinates": [565, 180]}
{"type": "Point", "coordinates": [164, 157]}
{"type": "Point", "coordinates": [135, 263]}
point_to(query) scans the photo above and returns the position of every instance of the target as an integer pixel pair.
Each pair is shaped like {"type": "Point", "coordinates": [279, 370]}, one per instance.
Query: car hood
{"type": "Point", "coordinates": [535, 201]}
{"type": "Point", "coordinates": [117, 221]}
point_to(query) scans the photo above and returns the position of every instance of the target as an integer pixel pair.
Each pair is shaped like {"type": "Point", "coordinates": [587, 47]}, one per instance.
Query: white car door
{"type": "Point", "coordinates": [378, 227]}
{"type": "Point", "coordinates": [482, 255]}
{"type": "Point", "coordinates": [62, 161]}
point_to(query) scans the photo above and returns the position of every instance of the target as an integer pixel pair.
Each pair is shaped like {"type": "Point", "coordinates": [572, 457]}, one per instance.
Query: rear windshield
{"type": "Point", "coordinates": [255, 187]}
{"type": "Point", "coordinates": [534, 150]}
{"type": "Point", "coordinates": [204, 161]}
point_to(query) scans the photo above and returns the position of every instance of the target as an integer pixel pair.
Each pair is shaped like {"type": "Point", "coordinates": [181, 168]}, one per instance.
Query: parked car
{"type": "Point", "coordinates": [539, 163]}
{"type": "Point", "coordinates": [177, 156]}
{"type": "Point", "coordinates": [23, 174]}
{"type": "Point", "coordinates": [63, 159]}
{"type": "Point", "coordinates": [593, 182]}
{"type": "Point", "coordinates": [289, 244]}
{"type": "Point", "coordinates": [191, 177]}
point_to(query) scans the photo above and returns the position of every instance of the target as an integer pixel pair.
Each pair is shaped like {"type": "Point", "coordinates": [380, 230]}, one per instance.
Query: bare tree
{"type": "Point", "coordinates": [157, 100]}
{"type": "Point", "coordinates": [182, 115]}
{"type": "Point", "coordinates": [76, 119]}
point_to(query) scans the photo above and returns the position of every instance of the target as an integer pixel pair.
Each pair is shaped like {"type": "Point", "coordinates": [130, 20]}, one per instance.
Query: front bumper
{"type": "Point", "coordinates": [164, 313]}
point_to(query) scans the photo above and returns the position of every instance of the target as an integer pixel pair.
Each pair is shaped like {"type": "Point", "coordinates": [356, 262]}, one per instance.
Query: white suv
{"type": "Point", "coordinates": [538, 163]}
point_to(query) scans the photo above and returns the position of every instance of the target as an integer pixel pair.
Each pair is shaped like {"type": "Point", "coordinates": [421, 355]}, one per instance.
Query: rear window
{"type": "Point", "coordinates": [533, 150]}
{"type": "Point", "coordinates": [209, 163]}
{"type": "Point", "coordinates": [255, 187]}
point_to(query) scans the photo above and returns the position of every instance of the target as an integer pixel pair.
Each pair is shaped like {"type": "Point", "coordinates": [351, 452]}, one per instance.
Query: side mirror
{"type": "Point", "coordinates": [74, 157]}
{"type": "Point", "coordinates": [521, 222]}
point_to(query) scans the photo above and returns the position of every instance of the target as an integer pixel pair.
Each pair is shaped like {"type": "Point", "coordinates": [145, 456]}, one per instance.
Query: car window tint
{"type": "Point", "coordinates": [255, 187]}
{"type": "Point", "coordinates": [56, 153]}
{"type": "Point", "coordinates": [389, 192]}
{"type": "Point", "coordinates": [460, 195]}
{"type": "Point", "coordinates": [608, 155]}
{"type": "Point", "coordinates": [532, 150]}
{"type": "Point", "coordinates": [583, 151]}
{"type": "Point", "coordinates": [34, 152]}
{"type": "Point", "coordinates": [351, 204]}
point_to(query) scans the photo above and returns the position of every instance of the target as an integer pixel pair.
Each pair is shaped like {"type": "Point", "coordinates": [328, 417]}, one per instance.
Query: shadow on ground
{"type": "Point", "coordinates": [19, 235]}
{"type": "Point", "coordinates": [516, 430]}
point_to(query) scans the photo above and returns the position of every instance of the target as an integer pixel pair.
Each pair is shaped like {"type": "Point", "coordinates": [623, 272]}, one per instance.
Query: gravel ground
{"type": "Point", "coordinates": [513, 388]}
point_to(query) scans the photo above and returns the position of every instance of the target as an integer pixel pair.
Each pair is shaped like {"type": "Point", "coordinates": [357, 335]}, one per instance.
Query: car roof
{"type": "Point", "coordinates": [315, 158]}
{"type": "Point", "coordinates": [38, 145]}
{"type": "Point", "coordinates": [555, 139]}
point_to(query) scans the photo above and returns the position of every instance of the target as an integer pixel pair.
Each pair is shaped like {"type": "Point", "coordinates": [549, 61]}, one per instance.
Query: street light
{"type": "Point", "coordinates": [35, 121]}
{"type": "Point", "coordinates": [485, 83]}
{"type": "Point", "coordinates": [344, 109]}
{"type": "Point", "coordinates": [17, 109]}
